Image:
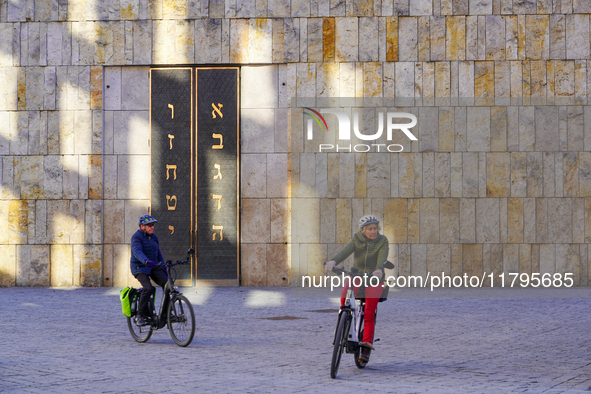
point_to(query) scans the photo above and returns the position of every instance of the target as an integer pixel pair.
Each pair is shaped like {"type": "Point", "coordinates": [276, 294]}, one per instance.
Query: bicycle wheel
{"type": "Point", "coordinates": [181, 320]}
{"type": "Point", "coordinates": [339, 343]}
{"type": "Point", "coordinates": [360, 364]}
{"type": "Point", "coordinates": [140, 333]}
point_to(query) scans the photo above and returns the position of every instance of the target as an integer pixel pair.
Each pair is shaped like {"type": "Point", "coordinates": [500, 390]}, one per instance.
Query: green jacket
{"type": "Point", "coordinates": [369, 255]}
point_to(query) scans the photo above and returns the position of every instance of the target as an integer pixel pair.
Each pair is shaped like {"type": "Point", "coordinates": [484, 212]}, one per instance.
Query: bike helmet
{"type": "Point", "coordinates": [368, 219]}
{"type": "Point", "coordinates": [147, 219]}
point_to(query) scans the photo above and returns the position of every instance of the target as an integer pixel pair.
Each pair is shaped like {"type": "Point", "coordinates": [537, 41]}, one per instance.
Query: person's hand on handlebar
{"type": "Point", "coordinates": [150, 264]}
{"type": "Point", "coordinates": [377, 273]}
{"type": "Point", "coordinates": [329, 265]}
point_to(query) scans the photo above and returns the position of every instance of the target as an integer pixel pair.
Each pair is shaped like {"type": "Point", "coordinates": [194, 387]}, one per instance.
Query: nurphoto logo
{"type": "Point", "coordinates": [344, 125]}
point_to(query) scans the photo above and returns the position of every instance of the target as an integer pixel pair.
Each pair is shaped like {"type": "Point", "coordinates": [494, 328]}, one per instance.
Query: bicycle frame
{"type": "Point", "coordinates": [170, 290]}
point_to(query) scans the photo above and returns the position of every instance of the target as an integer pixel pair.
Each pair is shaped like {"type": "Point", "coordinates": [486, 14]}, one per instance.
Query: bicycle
{"type": "Point", "coordinates": [350, 323]}
{"type": "Point", "coordinates": [179, 315]}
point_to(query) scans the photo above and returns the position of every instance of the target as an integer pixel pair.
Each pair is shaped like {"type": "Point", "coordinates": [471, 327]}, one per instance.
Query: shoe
{"type": "Point", "coordinates": [142, 321]}
{"type": "Point", "coordinates": [364, 354]}
{"type": "Point", "coordinates": [367, 345]}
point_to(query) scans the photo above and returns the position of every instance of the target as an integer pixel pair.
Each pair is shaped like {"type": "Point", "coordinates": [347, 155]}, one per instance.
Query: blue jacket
{"type": "Point", "coordinates": [144, 247]}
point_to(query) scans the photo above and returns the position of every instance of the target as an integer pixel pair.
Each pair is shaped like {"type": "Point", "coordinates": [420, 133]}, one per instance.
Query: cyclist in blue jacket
{"type": "Point", "coordinates": [147, 262]}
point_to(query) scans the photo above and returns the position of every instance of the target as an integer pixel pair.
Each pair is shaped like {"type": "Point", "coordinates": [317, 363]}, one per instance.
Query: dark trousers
{"type": "Point", "coordinates": [159, 276]}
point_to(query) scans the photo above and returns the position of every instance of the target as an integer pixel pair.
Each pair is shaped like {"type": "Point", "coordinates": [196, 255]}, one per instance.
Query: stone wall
{"type": "Point", "coordinates": [74, 78]}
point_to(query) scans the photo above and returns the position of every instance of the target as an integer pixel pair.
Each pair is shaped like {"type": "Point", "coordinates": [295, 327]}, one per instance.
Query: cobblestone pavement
{"type": "Point", "coordinates": [76, 340]}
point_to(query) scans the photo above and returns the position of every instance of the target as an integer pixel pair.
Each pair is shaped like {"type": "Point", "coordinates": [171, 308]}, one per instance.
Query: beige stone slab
{"type": "Point", "coordinates": [278, 270]}
{"type": "Point", "coordinates": [8, 266]}
{"type": "Point", "coordinates": [18, 222]}
{"type": "Point", "coordinates": [321, 175]}
{"type": "Point", "coordinates": [378, 175]}
{"type": "Point", "coordinates": [346, 175]}
{"type": "Point", "coordinates": [576, 125]}
{"type": "Point", "coordinates": [510, 259]}
{"type": "Point", "coordinates": [460, 128]}
{"type": "Point", "coordinates": [498, 174]}
{"type": "Point", "coordinates": [581, 82]}
{"type": "Point", "coordinates": [328, 224]}
{"type": "Point", "coordinates": [560, 215]}
{"type": "Point", "coordinates": [132, 172]}
{"type": "Point", "coordinates": [239, 41]}
{"type": "Point", "coordinates": [515, 220]}
{"type": "Point", "coordinates": [495, 37]}
{"type": "Point", "coordinates": [564, 79]}
{"type": "Point", "coordinates": [257, 130]}
{"type": "Point", "coordinates": [487, 220]}
{"type": "Point", "coordinates": [478, 134]}
{"type": "Point", "coordinates": [546, 121]}
{"type": "Point", "coordinates": [372, 79]}
{"type": "Point", "coordinates": [529, 220]}
{"type": "Point", "coordinates": [584, 174]}
{"type": "Point", "coordinates": [571, 172]}
{"type": "Point", "coordinates": [456, 175]}
{"type": "Point", "coordinates": [557, 36]}
{"type": "Point", "coordinates": [360, 175]}
{"type": "Point", "coordinates": [498, 132]}
{"type": "Point", "coordinates": [472, 38]}
{"type": "Point", "coordinates": [346, 39]}
{"type": "Point", "coordinates": [280, 221]}
{"type": "Point", "coordinates": [511, 37]}
{"type": "Point", "coordinates": [578, 220]}
{"type": "Point", "coordinates": [396, 220]}
{"type": "Point", "coordinates": [518, 174]}
{"type": "Point", "coordinates": [577, 36]}
{"type": "Point", "coordinates": [437, 38]}
{"type": "Point", "coordinates": [407, 39]}
{"type": "Point", "coordinates": [526, 128]}
{"type": "Point", "coordinates": [443, 175]}
{"type": "Point", "coordinates": [438, 259]}
{"type": "Point", "coordinates": [547, 258]}
{"type": "Point", "coordinates": [343, 222]}
{"type": "Point", "coordinates": [470, 175]}
{"type": "Point", "coordinates": [535, 174]}
{"type": "Point", "coordinates": [61, 265]}
{"type": "Point", "coordinates": [449, 218]}
{"type": "Point", "coordinates": [413, 226]}
{"type": "Point", "coordinates": [305, 216]}
{"type": "Point", "coordinates": [428, 174]}
{"type": "Point", "coordinates": [587, 220]}
{"type": "Point", "coordinates": [429, 220]}
{"type": "Point", "coordinates": [368, 36]}
{"type": "Point", "coordinates": [254, 175]}
{"type": "Point", "coordinates": [467, 220]}
{"type": "Point", "coordinates": [472, 260]}
{"type": "Point", "coordinates": [260, 41]}
{"type": "Point", "coordinates": [568, 261]}
{"type": "Point", "coordinates": [423, 39]}
{"type": "Point", "coordinates": [254, 265]}
{"type": "Point", "coordinates": [542, 220]}
{"type": "Point", "coordinates": [29, 175]}
{"type": "Point", "coordinates": [537, 36]}
{"type": "Point", "coordinates": [559, 174]}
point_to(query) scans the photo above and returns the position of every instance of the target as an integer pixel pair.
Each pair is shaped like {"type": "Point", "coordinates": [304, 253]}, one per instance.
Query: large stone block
{"type": "Point", "coordinates": [472, 259]}
{"type": "Point", "coordinates": [467, 220]}
{"type": "Point", "coordinates": [478, 136]}
{"type": "Point", "coordinates": [280, 221]}
{"type": "Point", "coordinates": [407, 40]}
{"type": "Point", "coordinates": [88, 258]}
{"type": "Point", "coordinates": [487, 220]}
{"type": "Point", "coordinates": [132, 171]}
{"type": "Point", "coordinates": [577, 37]}
{"type": "Point", "coordinates": [62, 264]}
{"type": "Point", "coordinates": [515, 220]}
{"type": "Point", "coordinates": [498, 175]}
{"type": "Point", "coordinates": [32, 265]}
{"type": "Point", "coordinates": [256, 220]}
{"type": "Point", "coordinates": [259, 87]}
{"type": "Point", "coordinates": [449, 219]}
{"type": "Point", "coordinates": [254, 175]}
{"type": "Point", "coordinates": [278, 269]}
{"type": "Point", "coordinates": [346, 40]}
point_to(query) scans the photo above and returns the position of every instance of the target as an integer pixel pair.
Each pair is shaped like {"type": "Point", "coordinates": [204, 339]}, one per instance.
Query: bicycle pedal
{"type": "Point", "coordinates": [376, 340]}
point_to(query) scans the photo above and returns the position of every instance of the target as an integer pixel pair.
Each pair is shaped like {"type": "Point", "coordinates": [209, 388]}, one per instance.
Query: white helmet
{"type": "Point", "coordinates": [368, 219]}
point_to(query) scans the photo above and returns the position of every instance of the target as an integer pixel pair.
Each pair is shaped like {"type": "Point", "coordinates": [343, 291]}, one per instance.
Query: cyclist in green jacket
{"type": "Point", "coordinates": [370, 250]}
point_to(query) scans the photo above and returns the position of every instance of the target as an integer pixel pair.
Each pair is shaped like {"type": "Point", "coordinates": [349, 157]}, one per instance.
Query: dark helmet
{"type": "Point", "coordinates": [147, 219]}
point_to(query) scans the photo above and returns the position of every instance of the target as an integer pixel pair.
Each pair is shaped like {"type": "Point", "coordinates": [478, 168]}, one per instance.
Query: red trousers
{"type": "Point", "coordinates": [372, 297]}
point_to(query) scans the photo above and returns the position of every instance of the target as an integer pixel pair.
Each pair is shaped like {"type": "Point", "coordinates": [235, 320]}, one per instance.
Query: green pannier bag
{"type": "Point", "coordinates": [126, 297]}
